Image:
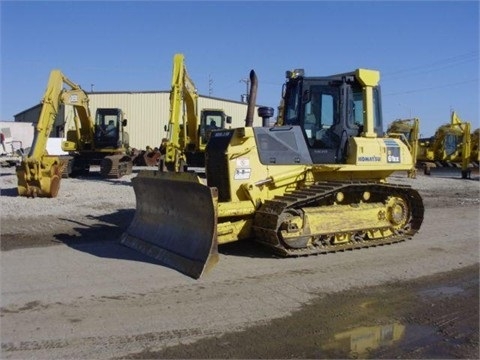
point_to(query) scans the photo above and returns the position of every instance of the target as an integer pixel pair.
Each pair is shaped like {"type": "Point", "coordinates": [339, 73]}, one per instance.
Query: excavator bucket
{"type": "Point", "coordinates": [40, 179]}
{"type": "Point", "coordinates": [175, 221]}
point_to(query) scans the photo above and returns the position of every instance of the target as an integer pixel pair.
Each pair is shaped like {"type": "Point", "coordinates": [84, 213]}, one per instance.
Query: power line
{"type": "Point", "coordinates": [432, 87]}
{"type": "Point", "coordinates": [433, 66]}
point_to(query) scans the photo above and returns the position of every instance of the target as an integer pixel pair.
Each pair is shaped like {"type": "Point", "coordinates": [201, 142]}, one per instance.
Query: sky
{"type": "Point", "coordinates": [427, 52]}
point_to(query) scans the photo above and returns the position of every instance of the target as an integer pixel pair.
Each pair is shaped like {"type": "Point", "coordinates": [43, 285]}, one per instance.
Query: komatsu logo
{"type": "Point", "coordinates": [369, 158]}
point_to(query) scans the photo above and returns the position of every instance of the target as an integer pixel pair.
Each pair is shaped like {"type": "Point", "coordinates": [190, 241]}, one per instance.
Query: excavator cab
{"type": "Point", "coordinates": [109, 125]}
{"type": "Point", "coordinates": [330, 111]}
{"type": "Point", "coordinates": [99, 140]}
{"type": "Point", "coordinates": [211, 119]}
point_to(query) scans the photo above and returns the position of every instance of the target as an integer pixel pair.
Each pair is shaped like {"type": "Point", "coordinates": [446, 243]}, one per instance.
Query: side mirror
{"type": "Point", "coordinates": [229, 119]}
{"type": "Point", "coordinates": [124, 122]}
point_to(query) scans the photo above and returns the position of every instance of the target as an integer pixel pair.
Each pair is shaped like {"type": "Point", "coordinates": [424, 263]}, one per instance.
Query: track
{"type": "Point", "coordinates": [116, 166]}
{"type": "Point", "coordinates": [274, 217]}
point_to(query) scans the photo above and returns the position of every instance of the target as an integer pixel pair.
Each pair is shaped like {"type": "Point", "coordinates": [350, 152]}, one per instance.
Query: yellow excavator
{"type": "Point", "coordinates": [474, 153]}
{"type": "Point", "coordinates": [187, 133]}
{"type": "Point", "coordinates": [101, 141]}
{"type": "Point", "coordinates": [315, 183]}
{"type": "Point", "coordinates": [408, 130]}
{"type": "Point", "coordinates": [450, 147]}
{"type": "Point", "coordinates": [39, 174]}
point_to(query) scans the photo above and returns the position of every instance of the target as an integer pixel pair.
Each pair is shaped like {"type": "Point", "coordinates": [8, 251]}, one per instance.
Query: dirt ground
{"type": "Point", "coordinates": [70, 290]}
{"type": "Point", "coordinates": [432, 317]}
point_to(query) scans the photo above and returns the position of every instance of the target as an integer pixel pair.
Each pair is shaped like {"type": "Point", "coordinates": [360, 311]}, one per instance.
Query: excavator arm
{"type": "Point", "coordinates": [188, 128]}
{"type": "Point", "coordinates": [84, 126]}
{"type": "Point", "coordinates": [183, 123]}
{"type": "Point", "coordinates": [39, 174]}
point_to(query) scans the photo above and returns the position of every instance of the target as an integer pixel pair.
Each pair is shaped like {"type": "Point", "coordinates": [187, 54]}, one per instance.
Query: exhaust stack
{"type": "Point", "coordinates": [252, 99]}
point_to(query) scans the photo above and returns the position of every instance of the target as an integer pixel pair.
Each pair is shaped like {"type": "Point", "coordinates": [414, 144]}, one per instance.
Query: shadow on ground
{"type": "Point", "coordinates": [101, 237]}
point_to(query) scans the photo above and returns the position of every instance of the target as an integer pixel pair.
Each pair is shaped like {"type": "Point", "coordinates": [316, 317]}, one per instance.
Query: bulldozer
{"type": "Point", "coordinates": [39, 174]}
{"type": "Point", "coordinates": [449, 148]}
{"type": "Point", "coordinates": [314, 183]}
{"type": "Point", "coordinates": [187, 133]}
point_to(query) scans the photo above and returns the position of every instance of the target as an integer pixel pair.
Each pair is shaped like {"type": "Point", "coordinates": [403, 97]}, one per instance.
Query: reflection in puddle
{"type": "Point", "coordinates": [370, 342]}
{"type": "Point", "coordinates": [358, 342]}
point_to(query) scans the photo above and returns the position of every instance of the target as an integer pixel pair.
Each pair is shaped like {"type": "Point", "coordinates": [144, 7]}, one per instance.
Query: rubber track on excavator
{"type": "Point", "coordinates": [268, 217]}
{"type": "Point", "coordinates": [116, 166]}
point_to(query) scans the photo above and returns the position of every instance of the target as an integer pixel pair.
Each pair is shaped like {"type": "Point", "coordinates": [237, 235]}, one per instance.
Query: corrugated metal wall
{"type": "Point", "coordinates": [237, 110]}
{"type": "Point", "coordinates": [148, 113]}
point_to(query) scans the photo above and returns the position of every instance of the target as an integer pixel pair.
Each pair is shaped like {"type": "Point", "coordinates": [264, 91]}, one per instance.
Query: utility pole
{"type": "Point", "coordinates": [210, 85]}
{"type": "Point", "coordinates": [246, 96]}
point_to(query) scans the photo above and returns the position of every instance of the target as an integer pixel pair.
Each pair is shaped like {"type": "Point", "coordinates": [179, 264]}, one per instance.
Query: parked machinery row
{"type": "Point", "coordinates": [453, 145]}
{"type": "Point", "coordinates": [316, 182]}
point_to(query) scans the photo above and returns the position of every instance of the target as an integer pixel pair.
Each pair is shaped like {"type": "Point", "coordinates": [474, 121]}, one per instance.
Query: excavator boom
{"type": "Point", "coordinates": [188, 131]}
{"type": "Point", "coordinates": [39, 174]}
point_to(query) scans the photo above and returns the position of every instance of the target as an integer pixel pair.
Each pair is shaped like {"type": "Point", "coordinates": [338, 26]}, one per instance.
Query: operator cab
{"type": "Point", "coordinates": [212, 119]}
{"type": "Point", "coordinates": [108, 123]}
{"type": "Point", "coordinates": [330, 111]}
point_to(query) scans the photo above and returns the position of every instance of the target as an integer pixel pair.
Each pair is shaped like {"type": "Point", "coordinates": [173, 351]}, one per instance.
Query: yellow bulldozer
{"type": "Point", "coordinates": [102, 141]}
{"type": "Point", "coordinates": [314, 183]}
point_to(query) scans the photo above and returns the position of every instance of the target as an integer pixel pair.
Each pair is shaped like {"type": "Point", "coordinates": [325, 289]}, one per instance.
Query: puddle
{"type": "Point", "coordinates": [435, 317]}
{"type": "Point", "coordinates": [370, 342]}
{"type": "Point", "coordinates": [442, 291]}
{"type": "Point", "coordinates": [358, 342]}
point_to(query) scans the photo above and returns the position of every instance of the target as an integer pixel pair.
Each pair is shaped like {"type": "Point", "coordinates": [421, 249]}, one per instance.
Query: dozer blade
{"type": "Point", "coordinates": [175, 221]}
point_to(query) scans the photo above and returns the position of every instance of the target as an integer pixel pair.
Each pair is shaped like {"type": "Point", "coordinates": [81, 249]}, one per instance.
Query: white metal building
{"type": "Point", "coordinates": [17, 135]}
{"type": "Point", "coordinates": [147, 114]}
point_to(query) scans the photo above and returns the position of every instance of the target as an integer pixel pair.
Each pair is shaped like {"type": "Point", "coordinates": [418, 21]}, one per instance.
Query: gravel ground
{"type": "Point", "coordinates": [96, 196]}
{"type": "Point", "coordinates": [70, 290]}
